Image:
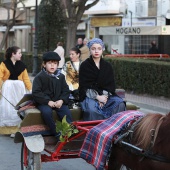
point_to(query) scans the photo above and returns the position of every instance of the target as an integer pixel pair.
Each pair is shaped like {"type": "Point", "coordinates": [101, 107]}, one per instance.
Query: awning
{"type": "Point", "coordinates": [153, 30]}
{"type": "Point", "coordinates": [3, 28]}
{"type": "Point", "coordinates": [81, 26]}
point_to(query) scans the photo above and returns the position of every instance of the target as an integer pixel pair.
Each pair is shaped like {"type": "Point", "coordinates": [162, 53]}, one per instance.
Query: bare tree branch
{"type": "Point", "coordinates": [10, 21]}
{"type": "Point", "coordinates": [92, 4]}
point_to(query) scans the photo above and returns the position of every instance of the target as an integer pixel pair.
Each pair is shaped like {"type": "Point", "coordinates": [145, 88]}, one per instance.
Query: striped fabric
{"type": "Point", "coordinates": [98, 140]}
{"type": "Point", "coordinates": [35, 130]}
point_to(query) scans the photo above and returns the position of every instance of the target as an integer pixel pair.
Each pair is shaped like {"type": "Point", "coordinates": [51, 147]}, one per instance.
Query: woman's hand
{"type": "Point", "coordinates": [102, 99]}
{"type": "Point", "coordinates": [101, 104]}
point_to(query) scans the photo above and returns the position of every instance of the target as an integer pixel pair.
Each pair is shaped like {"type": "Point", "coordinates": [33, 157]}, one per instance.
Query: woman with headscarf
{"type": "Point", "coordinates": [97, 85]}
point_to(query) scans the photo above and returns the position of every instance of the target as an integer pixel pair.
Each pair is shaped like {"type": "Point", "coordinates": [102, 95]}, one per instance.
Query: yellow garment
{"type": "Point", "coordinates": [72, 75]}
{"type": "Point", "coordinates": [4, 75]}
{"type": "Point", "coordinates": [7, 130]}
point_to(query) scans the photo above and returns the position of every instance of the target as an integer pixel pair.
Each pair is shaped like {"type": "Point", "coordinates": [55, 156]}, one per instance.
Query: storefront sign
{"type": "Point", "coordinates": [165, 30]}
{"type": "Point", "coordinates": [105, 21]}
{"type": "Point", "coordinates": [126, 22]}
{"type": "Point", "coordinates": [157, 30]}
{"type": "Point", "coordinates": [129, 30]}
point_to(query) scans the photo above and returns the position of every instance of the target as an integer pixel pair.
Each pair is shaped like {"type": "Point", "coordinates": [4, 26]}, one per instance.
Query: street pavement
{"type": "Point", "coordinates": [149, 104]}
{"type": "Point", "coordinates": [10, 158]}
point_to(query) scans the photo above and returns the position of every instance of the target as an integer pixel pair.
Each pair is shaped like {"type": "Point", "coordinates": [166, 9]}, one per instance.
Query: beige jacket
{"type": "Point", "coordinates": [85, 53]}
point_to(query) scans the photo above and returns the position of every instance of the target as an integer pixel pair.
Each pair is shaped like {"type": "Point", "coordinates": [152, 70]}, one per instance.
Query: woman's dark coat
{"type": "Point", "coordinates": [90, 77]}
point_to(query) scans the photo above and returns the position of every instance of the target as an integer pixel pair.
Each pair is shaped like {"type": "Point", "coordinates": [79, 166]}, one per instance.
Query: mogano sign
{"type": "Point", "coordinates": [152, 30]}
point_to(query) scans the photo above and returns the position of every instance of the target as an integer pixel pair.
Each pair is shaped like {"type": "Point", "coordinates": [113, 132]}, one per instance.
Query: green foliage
{"type": "Point", "coordinates": [51, 25]}
{"type": "Point", "coordinates": [142, 76]}
{"type": "Point", "coordinates": [65, 129]}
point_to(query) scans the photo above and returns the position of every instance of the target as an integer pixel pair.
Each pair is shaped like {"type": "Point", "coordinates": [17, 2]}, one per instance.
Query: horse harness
{"type": "Point", "coordinates": [127, 136]}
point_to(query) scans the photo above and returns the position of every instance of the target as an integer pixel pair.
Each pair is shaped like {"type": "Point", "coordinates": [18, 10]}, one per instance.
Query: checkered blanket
{"type": "Point", "coordinates": [98, 140]}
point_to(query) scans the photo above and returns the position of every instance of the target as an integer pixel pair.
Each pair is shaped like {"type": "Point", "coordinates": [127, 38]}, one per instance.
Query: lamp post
{"type": "Point", "coordinates": [35, 53]}
{"type": "Point", "coordinates": [168, 14]}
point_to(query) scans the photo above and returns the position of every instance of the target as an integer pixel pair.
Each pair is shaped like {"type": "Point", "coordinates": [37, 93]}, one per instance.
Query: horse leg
{"type": "Point", "coordinates": [113, 164]}
{"type": "Point", "coordinates": [116, 157]}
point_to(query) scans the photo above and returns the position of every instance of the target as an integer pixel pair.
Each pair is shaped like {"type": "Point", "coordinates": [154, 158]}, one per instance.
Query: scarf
{"type": "Point", "coordinates": [55, 74]}
{"type": "Point", "coordinates": [15, 70]}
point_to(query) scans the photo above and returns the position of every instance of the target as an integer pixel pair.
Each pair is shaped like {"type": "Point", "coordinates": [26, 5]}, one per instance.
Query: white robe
{"type": "Point", "coordinates": [13, 91]}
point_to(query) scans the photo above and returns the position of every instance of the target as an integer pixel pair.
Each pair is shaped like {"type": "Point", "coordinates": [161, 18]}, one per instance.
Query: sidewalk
{"type": "Point", "coordinates": [150, 103]}
{"type": "Point", "coordinates": [145, 102]}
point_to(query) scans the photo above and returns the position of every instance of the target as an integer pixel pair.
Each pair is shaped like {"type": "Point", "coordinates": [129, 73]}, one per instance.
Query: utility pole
{"type": "Point", "coordinates": [35, 54]}
{"type": "Point", "coordinates": [130, 18]}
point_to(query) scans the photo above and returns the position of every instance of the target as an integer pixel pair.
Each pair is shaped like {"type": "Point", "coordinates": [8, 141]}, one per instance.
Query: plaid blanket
{"type": "Point", "coordinates": [98, 140]}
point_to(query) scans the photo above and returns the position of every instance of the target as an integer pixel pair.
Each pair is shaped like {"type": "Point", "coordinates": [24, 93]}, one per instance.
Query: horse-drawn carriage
{"type": "Point", "coordinates": [38, 146]}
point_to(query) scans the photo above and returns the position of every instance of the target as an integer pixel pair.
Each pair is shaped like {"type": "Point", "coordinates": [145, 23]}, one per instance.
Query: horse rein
{"type": "Point", "coordinates": [154, 132]}
{"type": "Point", "coordinates": [139, 151]}
{"type": "Point", "coordinates": [6, 99]}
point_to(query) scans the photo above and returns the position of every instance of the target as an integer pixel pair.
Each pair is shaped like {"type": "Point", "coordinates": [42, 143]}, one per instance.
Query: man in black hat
{"type": "Point", "coordinates": [50, 92]}
{"type": "Point", "coordinates": [153, 49]}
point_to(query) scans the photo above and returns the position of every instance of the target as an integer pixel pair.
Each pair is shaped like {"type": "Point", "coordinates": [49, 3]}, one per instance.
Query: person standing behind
{"type": "Point", "coordinates": [60, 51]}
{"type": "Point", "coordinates": [153, 49]}
{"type": "Point", "coordinates": [71, 69]}
{"type": "Point", "coordinates": [85, 53]}
{"type": "Point", "coordinates": [97, 85]}
{"type": "Point", "coordinates": [14, 81]}
{"type": "Point", "coordinates": [79, 43]}
{"type": "Point", "coordinates": [50, 92]}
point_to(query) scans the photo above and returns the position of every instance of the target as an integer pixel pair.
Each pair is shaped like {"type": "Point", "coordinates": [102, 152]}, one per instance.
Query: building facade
{"type": "Point", "coordinates": [22, 33]}
{"type": "Point", "coordinates": [122, 26]}
{"type": "Point", "coordinates": [115, 21]}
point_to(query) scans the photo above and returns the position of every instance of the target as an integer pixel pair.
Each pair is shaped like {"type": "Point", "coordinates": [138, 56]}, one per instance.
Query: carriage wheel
{"type": "Point", "coordinates": [30, 160]}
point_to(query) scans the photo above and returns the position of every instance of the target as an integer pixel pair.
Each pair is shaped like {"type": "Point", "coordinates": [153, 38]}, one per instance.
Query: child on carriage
{"type": "Point", "coordinates": [50, 92]}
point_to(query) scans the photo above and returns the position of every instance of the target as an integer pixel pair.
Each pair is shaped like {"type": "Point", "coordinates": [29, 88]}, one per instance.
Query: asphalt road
{"type": "Point", "coordinates": [10, 158]}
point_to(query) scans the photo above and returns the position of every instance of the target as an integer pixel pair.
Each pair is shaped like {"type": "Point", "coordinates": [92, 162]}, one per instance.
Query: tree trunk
{"type": "Point", "coordinates": [71, 34]}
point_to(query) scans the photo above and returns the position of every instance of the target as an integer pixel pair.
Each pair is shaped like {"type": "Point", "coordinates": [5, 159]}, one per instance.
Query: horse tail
{"type": "Point", "coordinates": [143, 132]}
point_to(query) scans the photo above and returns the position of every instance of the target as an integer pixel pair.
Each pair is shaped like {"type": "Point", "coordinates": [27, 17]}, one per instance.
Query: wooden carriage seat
{"type": "Point", "coordinates": [33, 116]}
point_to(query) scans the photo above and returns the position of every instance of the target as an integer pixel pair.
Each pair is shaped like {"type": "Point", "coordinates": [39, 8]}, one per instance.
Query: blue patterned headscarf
{"type": "Point", "coordinates": [96, 41]}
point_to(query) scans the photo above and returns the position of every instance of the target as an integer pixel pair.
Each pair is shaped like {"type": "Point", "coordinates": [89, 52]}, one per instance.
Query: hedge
{"type": "Point", "coordinates": [142, 76]}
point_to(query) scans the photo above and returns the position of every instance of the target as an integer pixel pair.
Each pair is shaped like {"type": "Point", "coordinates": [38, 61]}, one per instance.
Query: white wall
{"type": "Point", "coordinates": [104, 7]}
{"type": "Point", "coordinates": [29, 3]}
